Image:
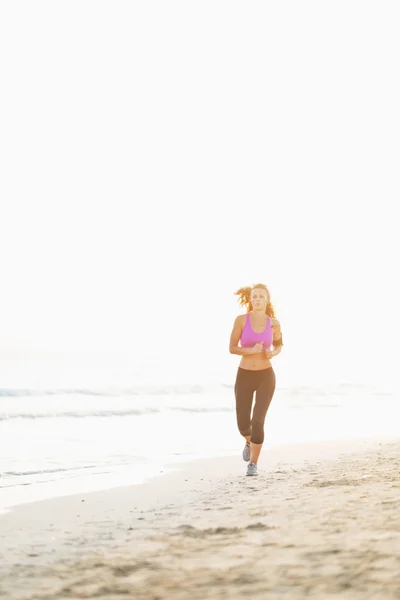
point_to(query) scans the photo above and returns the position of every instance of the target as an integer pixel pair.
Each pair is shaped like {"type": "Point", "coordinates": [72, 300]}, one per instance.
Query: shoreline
{"type": "Point", "coordinates": [270, 454]}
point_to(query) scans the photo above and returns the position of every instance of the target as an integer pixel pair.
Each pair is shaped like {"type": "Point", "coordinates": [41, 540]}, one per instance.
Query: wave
{"type": "Point", "coordinates": [124, 412]}
{"type": "Point", "coordinates": [178, 389]}
{"type": "Point", "coordinates": [10, 479]}
{"type": "Point", "coordinates": [112, 412]}
{"type": "Point", "coordinates": [131, 391]}
{"type": "Point", "coordinates": [45, 471]}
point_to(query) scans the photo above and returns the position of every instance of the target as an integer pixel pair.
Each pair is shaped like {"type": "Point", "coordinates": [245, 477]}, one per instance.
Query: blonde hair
{"type": "Point", "coordinates": [244, 294]}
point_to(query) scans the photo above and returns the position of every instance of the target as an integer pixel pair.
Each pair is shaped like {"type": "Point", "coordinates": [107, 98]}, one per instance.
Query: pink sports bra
{"type": "Point", "coordinates": [250, 338]}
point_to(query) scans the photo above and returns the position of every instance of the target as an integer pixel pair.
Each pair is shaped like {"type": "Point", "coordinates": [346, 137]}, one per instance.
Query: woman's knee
{"type": "Point", "coordinates": [244, 425]}
{"type": "Point", "coordinates": [245, 432]}
{"type": "Point", "coordinates": [257, 432]}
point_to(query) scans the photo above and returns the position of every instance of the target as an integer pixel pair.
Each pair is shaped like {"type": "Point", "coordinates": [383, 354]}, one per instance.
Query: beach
{"type": "Point", "coordinates": [321, 520]}
{"type": "Point", "coordinates": [182, 182]}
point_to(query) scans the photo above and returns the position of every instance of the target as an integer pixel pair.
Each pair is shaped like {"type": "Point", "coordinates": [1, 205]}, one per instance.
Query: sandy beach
{"type": "Point", "coordinates": [321, 520]}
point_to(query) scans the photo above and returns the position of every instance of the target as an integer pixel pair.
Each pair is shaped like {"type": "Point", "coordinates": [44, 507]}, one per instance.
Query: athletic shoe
{"type": "Point", "coordinates": [252, 469]}
{"type": "Point", "coordinates": [246, 452]}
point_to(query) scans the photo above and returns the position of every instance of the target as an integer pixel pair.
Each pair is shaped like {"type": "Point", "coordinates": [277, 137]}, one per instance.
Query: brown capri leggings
{"type": "Point", "coordinates": [263, 384]}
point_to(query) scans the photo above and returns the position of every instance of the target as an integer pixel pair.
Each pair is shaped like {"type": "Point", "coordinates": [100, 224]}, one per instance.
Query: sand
{"type": "Point", "coordinates": [320, 521]}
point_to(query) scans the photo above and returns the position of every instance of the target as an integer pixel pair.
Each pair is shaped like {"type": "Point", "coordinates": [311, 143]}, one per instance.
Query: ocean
{"type": "Point", "coordinates": [57, 442]}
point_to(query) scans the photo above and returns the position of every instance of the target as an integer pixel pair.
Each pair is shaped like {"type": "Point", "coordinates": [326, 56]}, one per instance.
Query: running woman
{"type": "Point", "coordinates": [252, 337]}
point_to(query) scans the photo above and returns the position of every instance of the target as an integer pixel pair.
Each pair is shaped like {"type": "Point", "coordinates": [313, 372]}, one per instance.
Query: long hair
{"type": "Point", "coordinates": [244, 294]}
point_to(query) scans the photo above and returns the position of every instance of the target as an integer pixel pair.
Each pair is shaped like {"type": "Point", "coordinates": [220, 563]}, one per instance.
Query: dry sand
{"type": "Point", "coordinates": [320, 521]}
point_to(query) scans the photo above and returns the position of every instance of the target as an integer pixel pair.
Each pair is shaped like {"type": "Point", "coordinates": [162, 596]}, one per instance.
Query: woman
{"type": "Point", "coordinates": [256, 331]}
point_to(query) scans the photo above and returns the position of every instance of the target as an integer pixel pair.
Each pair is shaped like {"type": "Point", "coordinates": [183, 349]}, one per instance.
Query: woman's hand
{"type": "Point", "coordinates": [257, 348]}
{"type": "Point", "coordinates": [270, 353]}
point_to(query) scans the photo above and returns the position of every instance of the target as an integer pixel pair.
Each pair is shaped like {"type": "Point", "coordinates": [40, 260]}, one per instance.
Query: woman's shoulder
{"type": "Point", "coordinates": [241, 319]}
{"type": "Point", "coordinates": [275, 322]}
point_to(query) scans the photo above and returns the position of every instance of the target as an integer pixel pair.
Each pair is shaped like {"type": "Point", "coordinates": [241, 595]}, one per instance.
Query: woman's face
{"type": "Point", "coordinates": [259, 298]}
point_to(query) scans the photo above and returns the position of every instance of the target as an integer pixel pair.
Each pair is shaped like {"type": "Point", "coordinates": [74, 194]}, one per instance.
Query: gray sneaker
{"type": "Point", "coordinates": [246, 452]}
{"type": "Point", "coordinates": [252, 469]}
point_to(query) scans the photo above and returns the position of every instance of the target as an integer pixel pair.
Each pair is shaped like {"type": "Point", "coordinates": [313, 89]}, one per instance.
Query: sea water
{"type": "Point", "coordinates": [59, 441]}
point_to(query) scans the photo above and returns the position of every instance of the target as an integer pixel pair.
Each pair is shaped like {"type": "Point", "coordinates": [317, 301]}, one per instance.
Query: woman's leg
{"type": "Point", "coordinates": [244, 391]}
{"type": "Point", "coordinates": [264, 394]}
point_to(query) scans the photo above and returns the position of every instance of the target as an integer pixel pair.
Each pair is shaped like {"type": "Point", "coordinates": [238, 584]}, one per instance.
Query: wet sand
{"type": "Point", "coordinates": [321, 520]}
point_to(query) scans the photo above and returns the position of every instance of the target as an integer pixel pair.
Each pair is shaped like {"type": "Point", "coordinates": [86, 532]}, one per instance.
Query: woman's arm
{"type": "Point", "coordinates": [236, 334]}
{"type": "Point", "coordinates": [277, 341]}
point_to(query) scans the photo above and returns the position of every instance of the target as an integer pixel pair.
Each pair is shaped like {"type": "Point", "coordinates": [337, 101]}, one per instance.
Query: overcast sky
{"type": "Point", "coordinates": [155, 156]}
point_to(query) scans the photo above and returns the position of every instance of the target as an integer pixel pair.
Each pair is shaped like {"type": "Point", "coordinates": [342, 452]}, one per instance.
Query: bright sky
{"type": "Point", "coordinates": [156, 156]}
